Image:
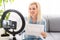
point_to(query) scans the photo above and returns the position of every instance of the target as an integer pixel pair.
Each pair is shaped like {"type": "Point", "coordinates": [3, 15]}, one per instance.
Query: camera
{"type": "Point", "coordinates": [8, 24]}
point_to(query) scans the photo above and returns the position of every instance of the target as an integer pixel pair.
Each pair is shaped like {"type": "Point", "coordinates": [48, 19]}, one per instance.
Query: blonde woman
{"type": "Point", "coordinates": [35, 17]}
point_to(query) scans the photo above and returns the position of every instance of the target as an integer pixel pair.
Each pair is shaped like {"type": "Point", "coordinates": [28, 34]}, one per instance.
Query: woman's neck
{"type": "Point", "coordinates": [34, 19]}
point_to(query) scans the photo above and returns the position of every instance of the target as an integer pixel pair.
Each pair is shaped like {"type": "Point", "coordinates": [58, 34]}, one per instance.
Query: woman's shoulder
{"type": "Point", "coordinates": [43, 21]}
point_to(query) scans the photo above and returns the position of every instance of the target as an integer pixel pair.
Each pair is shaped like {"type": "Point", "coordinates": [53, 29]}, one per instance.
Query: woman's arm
{"type": "Point", "coordinates": [44, 34]}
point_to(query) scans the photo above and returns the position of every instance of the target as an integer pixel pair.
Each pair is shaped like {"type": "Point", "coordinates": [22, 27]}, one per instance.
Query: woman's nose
{"type": "Point", "coordinates": [32, 10]}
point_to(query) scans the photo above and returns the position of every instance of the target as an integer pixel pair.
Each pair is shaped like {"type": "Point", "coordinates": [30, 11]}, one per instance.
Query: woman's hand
{"type": "Point", "coordinates": [44, 34]}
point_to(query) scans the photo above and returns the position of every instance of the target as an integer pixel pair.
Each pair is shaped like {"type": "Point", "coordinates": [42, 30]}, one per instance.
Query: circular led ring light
{"type": "Point", "coordinates": [20, 15]}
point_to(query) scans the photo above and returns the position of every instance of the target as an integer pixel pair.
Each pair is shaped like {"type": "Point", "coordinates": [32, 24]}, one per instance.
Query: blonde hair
{"type": "Point", "coordinates": [39, 11]}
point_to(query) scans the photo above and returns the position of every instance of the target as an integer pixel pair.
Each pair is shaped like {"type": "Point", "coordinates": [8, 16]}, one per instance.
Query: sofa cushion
{"type": "Point", "coordinates": [54, 24]}
{"type": "Point", "coordinates": [56, 35]}
{"type": "Point", "coordinates": [53, 36]}
{"type": "Point", "coordinates": [49, 37]}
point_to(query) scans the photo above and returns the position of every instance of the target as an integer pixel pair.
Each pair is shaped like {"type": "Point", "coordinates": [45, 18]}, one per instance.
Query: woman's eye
{"type": "Point", "coordinates": [31, 8]}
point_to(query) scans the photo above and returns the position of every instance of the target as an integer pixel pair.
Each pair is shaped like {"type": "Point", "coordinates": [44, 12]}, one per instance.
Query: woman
{"type": "Point", "coordinates": [35, 18]}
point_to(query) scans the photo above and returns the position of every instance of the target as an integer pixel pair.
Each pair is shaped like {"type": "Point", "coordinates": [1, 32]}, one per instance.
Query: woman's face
{"type": "Point", "coordinates": [33, 10]}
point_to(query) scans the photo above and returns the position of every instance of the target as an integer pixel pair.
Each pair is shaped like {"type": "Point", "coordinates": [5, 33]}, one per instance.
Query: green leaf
{"type": "Point", "coordinates": [0, 2]}
{"type": "Point", "coordinates": [7, 16]}
{"type": "Point", "coordinates": [0, 24]}
{"type": "Point", "coordinates": [1, 11]}
{"type": "Point", "coordinates": [6, 1]}
{"type": "Point", "coordinates": [11, 1]}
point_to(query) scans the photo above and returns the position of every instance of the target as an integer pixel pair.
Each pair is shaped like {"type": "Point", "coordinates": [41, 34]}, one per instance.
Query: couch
{"type": "Point", "coordinates": [53, 28]}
